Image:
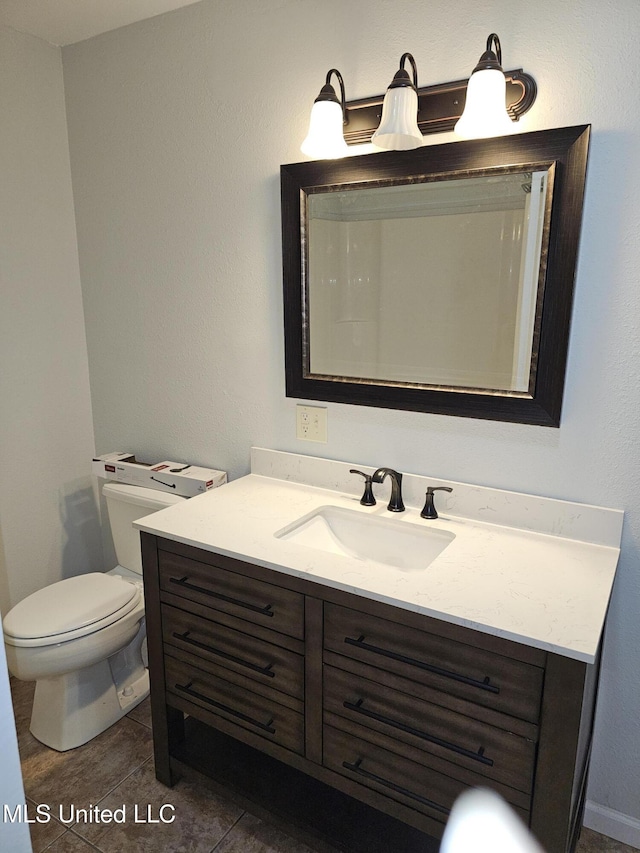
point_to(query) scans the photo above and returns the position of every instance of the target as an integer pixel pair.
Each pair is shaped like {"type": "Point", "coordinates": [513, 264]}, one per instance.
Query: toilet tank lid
{"type": "Point", "coordinates": [140, 495]}
{"type": "Point", "coordinates": [67, 605]}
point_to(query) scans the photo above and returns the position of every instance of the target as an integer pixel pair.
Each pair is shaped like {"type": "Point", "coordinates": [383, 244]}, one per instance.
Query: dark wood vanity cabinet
{"type": "Point", "coordinates": [397, 710]}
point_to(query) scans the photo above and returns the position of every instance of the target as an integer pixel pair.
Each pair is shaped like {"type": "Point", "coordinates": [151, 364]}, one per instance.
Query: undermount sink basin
{"type": "Point", "coordinates": [402, 546]}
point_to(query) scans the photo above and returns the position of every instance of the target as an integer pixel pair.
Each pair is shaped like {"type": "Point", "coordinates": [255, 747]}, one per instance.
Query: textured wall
{"type": "Point", "coordinates": [177, 128]}
{"type": "Point", "coordinates": [48, 517]}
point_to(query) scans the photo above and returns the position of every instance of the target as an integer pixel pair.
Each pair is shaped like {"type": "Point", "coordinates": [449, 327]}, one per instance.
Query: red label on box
{"type": "Point", "coordinates": [111, 468]}
{"type": "Point", "coordinates": [159, 467]}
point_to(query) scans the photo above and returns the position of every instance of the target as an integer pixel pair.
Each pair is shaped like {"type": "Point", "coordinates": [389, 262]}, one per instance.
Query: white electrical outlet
{"type": "Point", "coordinates": [311, 423]}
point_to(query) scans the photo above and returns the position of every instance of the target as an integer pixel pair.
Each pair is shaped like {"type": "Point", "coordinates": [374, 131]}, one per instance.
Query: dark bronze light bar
{"type": "Point", "coordinates": [439, 107]}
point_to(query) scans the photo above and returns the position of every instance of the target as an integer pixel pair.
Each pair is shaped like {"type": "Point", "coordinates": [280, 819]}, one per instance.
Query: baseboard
{"type": "Point", "coordinates": [612, 823]}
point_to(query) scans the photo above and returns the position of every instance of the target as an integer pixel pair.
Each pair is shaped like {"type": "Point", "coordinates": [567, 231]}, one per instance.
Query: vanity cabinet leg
{"type": "Point", "coordinates": [167, 722]}
{"type": "Point", "coordinates": [166, 735]}
{"type": "Point", "coordinates": [563, 752]}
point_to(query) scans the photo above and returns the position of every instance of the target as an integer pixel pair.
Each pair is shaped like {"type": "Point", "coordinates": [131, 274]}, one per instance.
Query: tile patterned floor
{"type": "Point", "coordinates": [115, 770]}
{"type": "Point", "coordinates": [592, 842]}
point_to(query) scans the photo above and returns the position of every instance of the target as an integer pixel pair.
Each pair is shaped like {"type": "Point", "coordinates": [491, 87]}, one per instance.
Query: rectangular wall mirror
{"type": "Point", "coordinates": [435, 280]}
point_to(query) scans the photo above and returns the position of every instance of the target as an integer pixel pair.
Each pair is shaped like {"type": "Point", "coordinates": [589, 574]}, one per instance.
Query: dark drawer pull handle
{"type": "Point", "coordinates": [265, 611]}
{"type": "Point", "coordinates": [465, 679]}
{"type": "Point", "coordinates": [263, 670]}
{"type": "Point", "coordinates": [356, 767]}
{"type": "Point", "coordinates": [460, 750]}
{"type": "Point", "coordinates": [266, 727]}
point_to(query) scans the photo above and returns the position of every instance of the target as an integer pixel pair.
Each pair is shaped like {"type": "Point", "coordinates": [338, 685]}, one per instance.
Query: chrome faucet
{"type": "Point", "coordinates": [395, 504]}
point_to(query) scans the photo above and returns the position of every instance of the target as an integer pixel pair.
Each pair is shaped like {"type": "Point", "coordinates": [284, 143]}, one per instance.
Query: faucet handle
{"type": "Point", "coordinates": [429, 510]}
{"type": "Point", "coordinates": [367, 498]}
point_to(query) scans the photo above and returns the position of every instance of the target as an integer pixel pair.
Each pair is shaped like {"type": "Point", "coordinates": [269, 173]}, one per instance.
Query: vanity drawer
{"type": "Point", "coordinates": [248, 598]}
{"type": "Point", "coordinates": [237, 705]}
{"type": "Point", "coordinates": [474, 674]}
{"type": "Point", "coordinates": [430, 729]}
{"type": "Point", "coordinates": [206, 639]}
{"type": "Point", "coordinates": [397, 777]}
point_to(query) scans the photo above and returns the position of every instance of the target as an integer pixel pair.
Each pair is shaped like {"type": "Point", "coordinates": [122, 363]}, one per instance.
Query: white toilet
{"type": "Point", "coordinates": [83, 640]}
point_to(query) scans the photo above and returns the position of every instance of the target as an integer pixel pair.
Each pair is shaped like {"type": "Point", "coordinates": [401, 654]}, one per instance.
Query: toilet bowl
{"type": "Point", "coordinates": [83, 639]}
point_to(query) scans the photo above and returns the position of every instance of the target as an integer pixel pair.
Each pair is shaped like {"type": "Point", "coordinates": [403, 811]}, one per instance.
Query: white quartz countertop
{"type": "Point", "coordinates": [545, 590]}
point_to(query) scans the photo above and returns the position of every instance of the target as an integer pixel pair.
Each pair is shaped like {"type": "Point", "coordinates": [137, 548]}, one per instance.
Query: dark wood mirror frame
{"type": "Point", "coordinates": [564, 149]}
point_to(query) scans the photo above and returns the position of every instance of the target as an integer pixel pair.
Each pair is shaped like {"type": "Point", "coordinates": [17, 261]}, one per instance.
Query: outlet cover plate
{"type": "Point", "coordinates": [311, 423]}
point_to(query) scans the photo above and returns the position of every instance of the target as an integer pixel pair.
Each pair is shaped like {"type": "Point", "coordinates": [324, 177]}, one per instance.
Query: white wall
{"type": "Point", "coordinates": [177, 129]}
{"type": "Point", "coordinates": [48, 517]}
{"type": "Point", "coordinates": [48, 521]}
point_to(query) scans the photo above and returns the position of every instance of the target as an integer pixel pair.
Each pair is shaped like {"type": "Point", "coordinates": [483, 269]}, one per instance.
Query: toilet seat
{"type": "Point", "coordinates": [69, 609]}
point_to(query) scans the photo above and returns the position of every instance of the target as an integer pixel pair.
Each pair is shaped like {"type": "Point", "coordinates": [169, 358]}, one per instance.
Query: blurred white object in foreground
{"type": "Point", "coordinates": [482, 822]}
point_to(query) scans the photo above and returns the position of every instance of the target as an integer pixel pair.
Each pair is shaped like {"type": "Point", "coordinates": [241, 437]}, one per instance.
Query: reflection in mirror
{"type": "Point", "coordinates": [432, 283]}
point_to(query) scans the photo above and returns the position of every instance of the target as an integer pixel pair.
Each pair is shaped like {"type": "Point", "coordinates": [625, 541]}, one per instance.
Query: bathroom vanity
{"type": "Point", "coordinates": [302, 660]}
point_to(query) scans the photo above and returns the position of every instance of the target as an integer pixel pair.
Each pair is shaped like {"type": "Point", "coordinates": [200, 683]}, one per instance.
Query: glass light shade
{"type": "Point", "coordinates": [325, 139]}
{"type": "Point", "coordinates": [398, 130]}
{"type": "Point", "coordinates": [485, 112]}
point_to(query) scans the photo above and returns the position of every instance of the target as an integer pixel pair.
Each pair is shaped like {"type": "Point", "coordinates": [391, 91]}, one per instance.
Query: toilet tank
{"type": "Point", "coordinates": [125, 505]}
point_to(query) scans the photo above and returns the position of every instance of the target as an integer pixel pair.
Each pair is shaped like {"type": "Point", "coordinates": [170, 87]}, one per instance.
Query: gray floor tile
{"type": "Point", "coordinates": [142, 713]}
{"type": "Point", "coordinates": [70, 843]}
{"type": "Point", "coordinates": [43, 834]}
{"type": "Point", "coordinates": [22, 700]}
{"type": "Point", "coordinates": [252, 835]}
{"type": "Point", "coordinates": [201, 818]}
{"type": "Point", "coordinates": [593, 842]}
{"type": "Point", "coordinates": [85, 775]}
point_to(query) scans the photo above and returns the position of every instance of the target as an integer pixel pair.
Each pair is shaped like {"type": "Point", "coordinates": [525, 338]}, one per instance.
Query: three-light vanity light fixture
{"type": "Point", "coordinates": [486, 105]}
